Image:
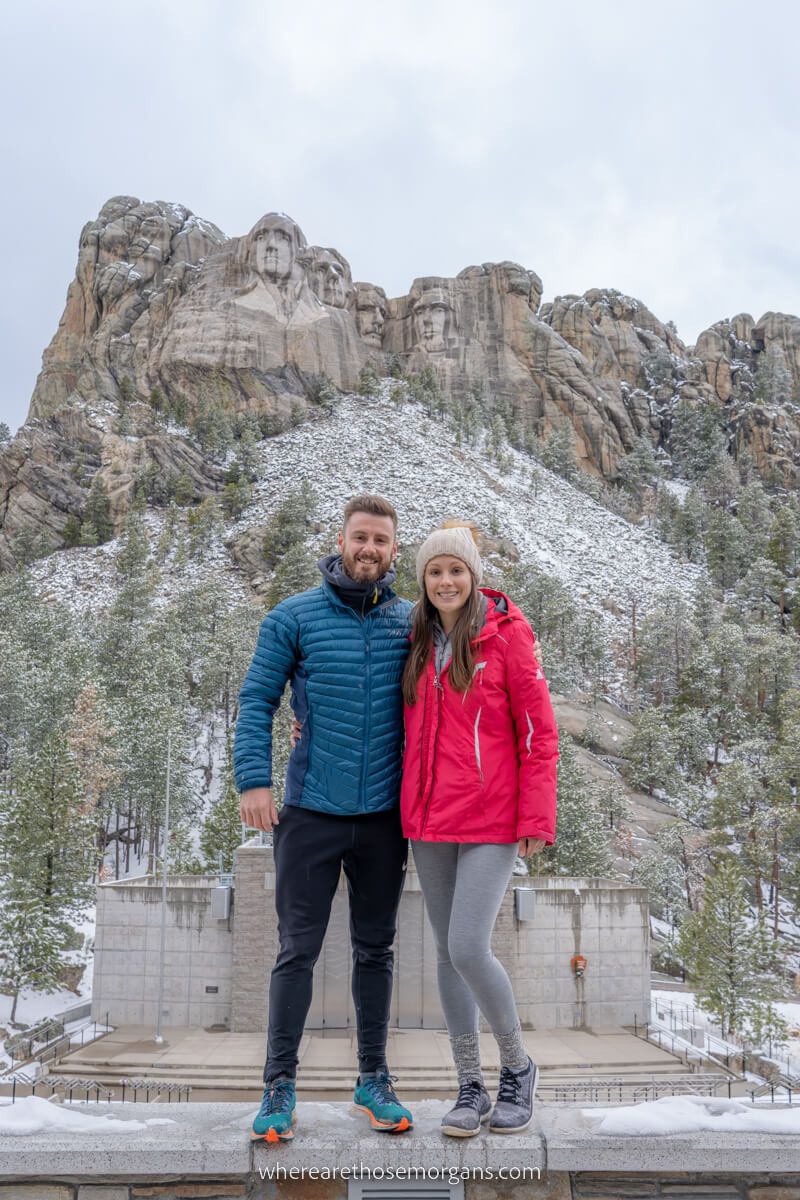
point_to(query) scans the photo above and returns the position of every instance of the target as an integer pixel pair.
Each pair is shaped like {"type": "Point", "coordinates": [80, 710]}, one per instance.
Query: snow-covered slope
{"type": "Point", "coordinates": [379, 446]}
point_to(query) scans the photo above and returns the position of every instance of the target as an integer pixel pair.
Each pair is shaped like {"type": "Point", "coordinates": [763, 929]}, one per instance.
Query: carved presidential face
{"type": "Point", "coordinates": [329, 277]}
{"type": "Point", "coordinates": [433, 319]}
{"type": "Point", "coordinates": [370, 314]}
{"type": "Point", "coordinates": [274, 254]}
{"type": "Point", "coordinates": [274, 242]}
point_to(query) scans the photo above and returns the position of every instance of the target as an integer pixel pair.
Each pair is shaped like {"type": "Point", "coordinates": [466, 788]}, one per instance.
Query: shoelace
{"type": "Point", "coordinates": [381, 1088]}
{"type": "Point", "coordinates": [469, 1095]}
{"type": "Point", "coordinates": [510, 1090]}
{"type": "Point", "coordinates": [278, 1098]}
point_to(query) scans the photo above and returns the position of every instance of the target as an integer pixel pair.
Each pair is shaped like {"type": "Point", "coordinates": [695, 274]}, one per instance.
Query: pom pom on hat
{"type": "Point", "coordinates": [456, 539]}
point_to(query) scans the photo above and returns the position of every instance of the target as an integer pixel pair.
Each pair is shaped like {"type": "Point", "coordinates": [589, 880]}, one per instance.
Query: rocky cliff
{"type": "Point", "coordinates": [163, 304]}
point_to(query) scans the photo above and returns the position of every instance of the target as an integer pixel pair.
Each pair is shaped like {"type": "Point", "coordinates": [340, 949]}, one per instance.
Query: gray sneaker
{"type": "Point", "coordinates": [470, 1110]}
{"type": "Point", "coordinates": [514, 1108]}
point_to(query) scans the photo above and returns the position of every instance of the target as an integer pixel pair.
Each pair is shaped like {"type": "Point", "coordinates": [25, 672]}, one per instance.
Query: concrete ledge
{"type": "Point", "coordinates": [212, 1141]}
{"type": "Point", "coordinates": [572, 1145]}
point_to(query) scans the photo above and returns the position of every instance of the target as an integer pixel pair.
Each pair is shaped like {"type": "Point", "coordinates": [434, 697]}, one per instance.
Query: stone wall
{"type": "Point", "coordinates": [605, 921]}
{"type": "Point", "coordinates": [197, 960]}
{"type": "Point", "coordinates": [552, 1185]}
{"type": "Point", "coordinates": [602, 920]}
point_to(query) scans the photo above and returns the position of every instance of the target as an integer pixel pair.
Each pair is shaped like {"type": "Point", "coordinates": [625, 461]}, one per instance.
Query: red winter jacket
{"type": "Point", "coordinates": [481, 766]}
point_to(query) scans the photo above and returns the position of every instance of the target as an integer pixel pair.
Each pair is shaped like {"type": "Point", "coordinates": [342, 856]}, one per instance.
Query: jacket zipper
{"type": "Point", "coordinates": [362, 622]}
{"type": "Point", "coordinates": [439, 690]}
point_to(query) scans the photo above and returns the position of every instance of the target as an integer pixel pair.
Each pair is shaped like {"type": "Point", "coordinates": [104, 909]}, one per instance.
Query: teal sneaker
{"type": "Point", "coordinates": [276, 1116]}
{"type": "Point", "coordinates": [375, 1096]}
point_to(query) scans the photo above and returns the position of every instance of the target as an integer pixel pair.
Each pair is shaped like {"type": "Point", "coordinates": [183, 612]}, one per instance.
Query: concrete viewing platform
{"type": "Point", "coordinates": [210, 1142]}
{"type": "Point", "coordinates": [227, 1066]}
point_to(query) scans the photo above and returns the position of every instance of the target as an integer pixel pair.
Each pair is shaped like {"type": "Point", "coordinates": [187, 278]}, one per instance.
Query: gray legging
{"type": "Point", "coordinates": [463, 885]}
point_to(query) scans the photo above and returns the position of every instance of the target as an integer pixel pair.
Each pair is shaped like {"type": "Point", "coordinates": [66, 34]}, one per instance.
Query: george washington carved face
{"type": "Point", "coordinates": [274, 244]}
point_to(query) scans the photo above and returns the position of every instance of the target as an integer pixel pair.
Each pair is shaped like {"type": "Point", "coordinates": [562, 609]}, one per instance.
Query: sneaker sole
{"type": "Point", "coordinates": [519, 1128]}
{"type": "Point", "coordinates": [400, 1126]}
{"type": "Point", "coordinates": [454, 1131]}
{"type": "Point", "coordinates": [272, 1136]}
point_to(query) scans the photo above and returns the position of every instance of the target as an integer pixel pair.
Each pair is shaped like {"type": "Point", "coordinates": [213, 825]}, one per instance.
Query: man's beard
{"type": "Point", "coordinates": [364, 572]}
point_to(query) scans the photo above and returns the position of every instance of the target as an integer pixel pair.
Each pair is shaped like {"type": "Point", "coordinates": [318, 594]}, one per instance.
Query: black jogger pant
{"type": "Point", "coordinates": [310, 850]}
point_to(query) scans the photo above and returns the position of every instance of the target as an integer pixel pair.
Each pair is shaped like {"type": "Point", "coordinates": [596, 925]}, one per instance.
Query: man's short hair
{"type": "Point", "coordinates": [376, 506]}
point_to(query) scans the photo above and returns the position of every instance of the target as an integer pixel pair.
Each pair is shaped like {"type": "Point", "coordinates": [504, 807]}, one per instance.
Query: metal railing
{"type": "Point", "coordinates": [159, 1086]}
{"type": "Point", "coordinates": [685, 1050]}
{"type": "Point", "coordinates": [68, 1087]}
{"type": "Point", "coordinates": [621, 1090]}
{"type": "Point", "coordinates": [731, 1045]}
{"type": "Point", "coordinates": [48, 1041]}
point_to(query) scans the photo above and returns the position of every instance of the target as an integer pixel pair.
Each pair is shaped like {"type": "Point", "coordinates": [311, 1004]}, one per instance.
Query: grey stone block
{"type": "Point", "coordinates": [102, 1191]}
{"type": "Point", "coordinates": [572, 1145]}
{"type": "Point", "coordinates": [36, 1191]}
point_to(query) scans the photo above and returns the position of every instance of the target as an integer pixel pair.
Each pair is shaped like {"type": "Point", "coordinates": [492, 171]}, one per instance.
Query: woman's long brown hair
{"type": "Point", "coordinates": [422, 623]}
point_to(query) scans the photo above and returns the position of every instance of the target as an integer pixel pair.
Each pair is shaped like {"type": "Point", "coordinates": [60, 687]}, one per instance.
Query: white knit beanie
{"type": "Point", "coordinates": [456, 540]}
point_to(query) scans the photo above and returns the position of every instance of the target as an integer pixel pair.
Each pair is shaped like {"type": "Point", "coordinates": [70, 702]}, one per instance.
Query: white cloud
{"type": "Point", "coordinates": [621, 145]}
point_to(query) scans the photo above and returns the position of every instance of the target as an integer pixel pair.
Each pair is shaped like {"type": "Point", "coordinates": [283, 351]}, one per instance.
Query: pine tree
{"type": "Point", "coordinates": [724, 538]}
{"type": "Point", "coordinates": [222, 830]}
{"type": "Point", "coordinates": [97, 512]}
{"type": "Point", "coordinates": [5, 434]}
{"type": "Point", "coordinates": [47, 862]}
{"type": "Point", "coordinates": [752, 509]}
{"type": "Point", "coordinates": [558, 451]}
{"type": "Point", "coordinates": [289, 524]}
{"type": "Point", "coordinates": [667, 638]}
{"type": "Point", "coordinates": [90, 742]}
{"type": "Point", "coordinates": [638, 470]}
{"type": "Point", "coordinates": [651, 753]}
{"type": "Point", "coordinates": [204, 523]}
{"type": "Point", "coordinates": [184, 490]}
{"type": "Point", "coordinates": [582, 846]}
{"type": "Point", "coordinates": [368, 381]}
{"type": "Point", "coordinates": [296, 572]}
{"type": "Point", "coordinates": [660, 872]}
{"type": "Point", "coordinates": [72, 531]}
{"type": "Point", "coordinates": [696, 437]}
{"type": "Point", "coordinates": [724, 949]}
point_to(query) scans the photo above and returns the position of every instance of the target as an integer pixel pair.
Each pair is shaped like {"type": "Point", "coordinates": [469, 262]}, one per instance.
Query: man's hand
{"type": "Point", "coordinates": [257, 808]}
{"type": "Point", "coordinates": [529, 846]}
{"type": "Point", "coordinates": [295, 735]}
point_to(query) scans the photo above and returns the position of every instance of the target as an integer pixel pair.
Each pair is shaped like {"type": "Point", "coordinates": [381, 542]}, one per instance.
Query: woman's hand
{"type": "Point", "coordinates": [530, 845]}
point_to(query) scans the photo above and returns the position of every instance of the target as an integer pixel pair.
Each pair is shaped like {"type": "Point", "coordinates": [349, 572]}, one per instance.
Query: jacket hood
{"type": "Point", "coordinates": [499, 610]}
{"type": "Point", "coordinates": [334, 573]}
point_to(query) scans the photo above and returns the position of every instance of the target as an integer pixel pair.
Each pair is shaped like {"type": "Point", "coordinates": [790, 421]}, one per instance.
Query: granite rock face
{"type": "Point", "coordinates": [163, 301]}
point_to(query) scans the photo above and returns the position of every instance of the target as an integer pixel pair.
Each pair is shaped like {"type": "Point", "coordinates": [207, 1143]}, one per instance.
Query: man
{"type": "Point", "coordinates": [343, 645]}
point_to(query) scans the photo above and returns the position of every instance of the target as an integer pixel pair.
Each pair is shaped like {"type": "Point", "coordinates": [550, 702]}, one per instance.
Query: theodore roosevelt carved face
{"type": "Point", "coordinates": [370, 313]}
{"type": "Point", "coordinates": [433, 319]}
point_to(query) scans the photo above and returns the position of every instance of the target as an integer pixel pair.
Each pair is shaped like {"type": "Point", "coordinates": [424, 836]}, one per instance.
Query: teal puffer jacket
{"type": "Point", "coordinates": [345, 673]}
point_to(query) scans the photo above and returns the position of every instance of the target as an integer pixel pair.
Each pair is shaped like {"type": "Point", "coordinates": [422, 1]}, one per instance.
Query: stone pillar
{"type": "Point", "coordinates": [255, 937]}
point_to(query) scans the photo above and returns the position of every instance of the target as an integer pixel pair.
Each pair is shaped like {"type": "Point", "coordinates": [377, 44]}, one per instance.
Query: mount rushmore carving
{"type": "Point", "coordinates": [164, 300]}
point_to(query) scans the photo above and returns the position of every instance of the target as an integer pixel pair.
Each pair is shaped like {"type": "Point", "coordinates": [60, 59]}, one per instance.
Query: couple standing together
{"type": "Point", "coordinates": [455, 675]}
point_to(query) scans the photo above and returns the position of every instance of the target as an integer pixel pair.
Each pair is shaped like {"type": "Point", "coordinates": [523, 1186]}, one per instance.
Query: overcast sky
{"type": "Point", "coordinates": [647, 147]}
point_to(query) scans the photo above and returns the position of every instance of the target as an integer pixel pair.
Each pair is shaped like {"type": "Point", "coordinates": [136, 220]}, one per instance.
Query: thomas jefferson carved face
{"type": "Point", "coordinates": [329, 278]}
{"type": "Point", "coordinates": [432, 319]}
{"type": "Point", "coordinates": [370, 314]}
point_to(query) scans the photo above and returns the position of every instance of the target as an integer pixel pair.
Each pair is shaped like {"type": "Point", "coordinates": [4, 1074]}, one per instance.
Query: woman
{"type": "Point", "coordinates": [479, 787]}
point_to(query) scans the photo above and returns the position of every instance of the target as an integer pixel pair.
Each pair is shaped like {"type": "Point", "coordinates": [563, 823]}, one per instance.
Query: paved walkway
{"type": "Point", "coordinates": [230, 1063]}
